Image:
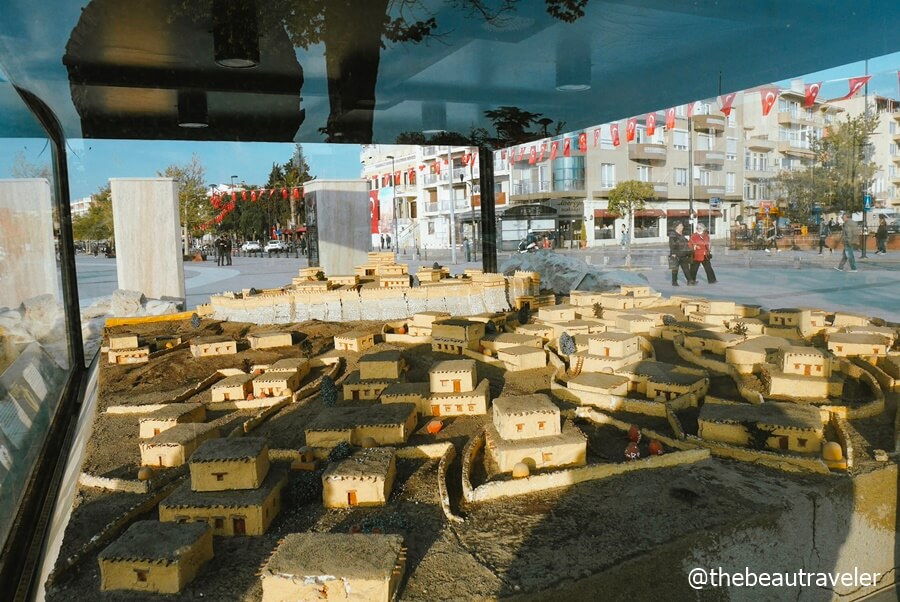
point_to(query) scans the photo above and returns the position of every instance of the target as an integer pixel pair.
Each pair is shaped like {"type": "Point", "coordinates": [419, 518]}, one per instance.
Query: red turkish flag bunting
{"type": "Point", "coordinates": [422, 167]}
{"type": "Point", "coordinates": [253, 196]}
{"type": "Point", "coordinates": [543, 150]}
{"type": "Point", "coordinates": [271, 193]}
{"type": "Point", "coordinates": [284, 193]}
{"type": "Point", "coordinates": [596, 137]}
{"type": "Point", "coordinates": [554, 146]}
{"type": "Point", "coordinates": [582, 142]}
{"type": "Point", "coordinates": [670, 118]}
{"type": "Point", "coordinates": [521, 154]}
{"type": "Point", "coordinates": [691, 109]}
{"type": "Point", "coordinates": [296, 193]}
{"type": "Point", "coordinates": [812, 91]}
{"type": "Point", "coordinates": [532, 156]}
{"type": "Point", "coordinates": [614, 132]}
{"type": "Point", "coordinates": [768, 97]}
{"type": "Point", "coordinates": [567, 147]}
{"type": "Point", "coordinates": [856, 83]}
{"type": "Point", "coordinates": [630, 127]}
{"type": "Point", "coordinates": [651, 124]}
{"type": "Point", "coordinates": [727, 101]}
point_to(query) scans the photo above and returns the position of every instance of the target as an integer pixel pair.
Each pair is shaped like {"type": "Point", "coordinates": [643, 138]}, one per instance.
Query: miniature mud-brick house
{"type": "Point", "coordinates": [570, 327]}
{"type": "Point", "coordinates": [299, 365]}
{"type": "Point", "coordinates": [716, 307]}
{"type": "Point", "coordinates": [232, 388]}
{"type": "Point", "coordinates": [557, 313]}
{"type": "Point", "coordinates": [785, 426]}
{"type": "Point", "coordinates": [711, 341]}
{"type": "Point", "coordinates": [386, 424]}
{"type": "Point", "coordinates": [230, 463]}
{"type": "Point", "coordinates": [807, 321]}
{"type": "Point", "coordinates": [614, 344]}
{"type": "Point", "coordinates": [350, 280]}
{"type": "Point", "coordinates": [415, 393]}
{"type": "Point", "coordinates": [354, 341]}
{"type": "Point", "coordinates": [453, 376]}
{"type": "Point", "coordinates": [454, 335]}
{"type": "Point", "coordinates": [463, 403]}
{"type": "Point", "coordinates": [588, 384]}
{"type": "Point", "coordinates": [364, 479]}
{"type": "Point", "coordinates": [397, 281]}
{"type": "Point", "coordinates": [216, 345]}
{"type": "Point", "coordinates": [138, 355]}
{"type": "Point", "coordinates": [428, 275]}
{"type": "Point", "coordinates": [753, 352]}
{"type": "Point", "coordinates": [231, 512]}
{"type": "Point", "coordinates": [525, 416]}
{"type": "Point", "coordinates": [522, 358]}
{"type": "Point", "coordinates": [668, 332]}
{"type": "Point", "coordinates": [805, 361]}
{"type": "Point", "coordinates": [356, 388]}
{"type": "Point", "coordinates": [334, 566]}
{"type": "Point", "coordinates": [662, 381]}
{"type": "Point", "coordinates": [497, 319]}
{"type": "Point", "coordinates": [535, 436]}
{"type": "Point", "coordinates": [800, 374]}
{"type": "Point", "coordinates": [168, 416]}
{"type": "Point", "coordinates": [493, 342]}
{"type": "Point", "coordinates": [382, 365]}
{"type": "Point", "coordinates": [174, 446]}
{"type": "Point", "coordinates": [890, 364]}
{"type": "Point", "coordinates": [544, 331]}
{"type": "Point", "coordinates": [275, 384]}
{"type": "Point", "coordinates": [422, 322]}
{"type": "Point", "coordinates": [123, 341]}
{"type": "Point", "coordinates": [885, 331]}
{"type": "Point", "coordinates": [268, 340]}
{"type": "Point", "coordinates": [635, 322]}
{"type": "Point", "coordinates": [156, 557]}
{"type": "Point", "coordinates": [846, 344]}
{"type": "Point", "coordinates": [843, 319]}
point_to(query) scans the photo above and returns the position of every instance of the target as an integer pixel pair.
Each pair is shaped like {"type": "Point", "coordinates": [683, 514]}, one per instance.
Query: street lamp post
{"type": "Point", "coordinates": [867, 199]}
{"type": "Point", "coordinates": [233, 178]}
{"type": "Point", "coordinates": [394, 206]}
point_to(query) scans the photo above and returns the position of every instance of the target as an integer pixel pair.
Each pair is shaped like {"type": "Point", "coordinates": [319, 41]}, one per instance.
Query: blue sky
{"type": "Point", "coordinates": [93, 162]}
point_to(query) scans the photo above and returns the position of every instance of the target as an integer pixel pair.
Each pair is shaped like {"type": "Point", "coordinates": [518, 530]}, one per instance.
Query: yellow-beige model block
{"type": "Point", "coordinates": [215, 345]}
{"type": "Point", "coordinates": [354, 341]}
{"type": "Point", "coordinates": [174, 446]}
{"type": "Point", "coordinates": [230, 463]}
{"type": "Point", "coordinates": [232, 388]}
{"type": "Point", "coordinates": [269, 340]}
{"type": "Point", "coordinates": [364, 479]}
{"type": "Point", "coordinates": [453, 376]}
{"type": "Point", "coordinates": [168, 416]}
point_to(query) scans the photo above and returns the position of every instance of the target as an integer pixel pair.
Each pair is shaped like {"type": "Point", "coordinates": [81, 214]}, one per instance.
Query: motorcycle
{"type": "Point", "coordinates": [528, 247]}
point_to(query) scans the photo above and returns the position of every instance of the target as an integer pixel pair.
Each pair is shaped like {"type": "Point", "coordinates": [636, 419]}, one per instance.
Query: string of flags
{"type": "Point", "coordinates": [227, 201]}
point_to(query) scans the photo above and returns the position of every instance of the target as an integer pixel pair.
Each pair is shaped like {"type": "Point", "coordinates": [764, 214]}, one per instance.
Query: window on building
{"type": "Point", "coordinates": [140, 574]}
{"type": "Point", "coordinates": [704, 177]}
{"type": "Point", "coordinates": [604, 228]}
{"type": "Point", "coordinates": [731, 149]}
{"type": "Point", "coordinates": [220, 476]}
{"type": "Point", "coordinates": [730, 182]}
{"type": "Point", "coordinates": [681, 176]}
{"type": "Point", "coordinates": [646, 227]}
{"type": "Point", "coordinates": [680, 110]}
{"type": "Point", "coordinates": [607, 175]}
{"type": "Point", "coordinates": [520, 428]}
{"type": "Point", "coordinates": [219, 522]}
{"type": "Point", "coordinates": [801, 442]}
{"type": "Point", "coordinates": [892, 128]}
{"type": "Point", "coordinates": [541, 425]}
{"type": "Point", "coordinates": [643, 173]}
{"type": "Point", "coordinates": [705, 142]}
{"type": "Point", "coordinates": [547, 456]}
{"type": "Point", "coordinates": [680, 140]}
{"type": "Point", "coordinates": [640, 135]}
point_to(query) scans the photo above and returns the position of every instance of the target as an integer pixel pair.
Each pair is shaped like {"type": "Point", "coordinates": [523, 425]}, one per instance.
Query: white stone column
{"type": "Point", "coordinates": [27, 252]}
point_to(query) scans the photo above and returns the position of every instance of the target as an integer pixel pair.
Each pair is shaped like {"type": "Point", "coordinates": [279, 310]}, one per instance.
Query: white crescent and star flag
{"type": "Point", "coordinates": [651, 124]}
{"type": "Point", "coordinates": [597, 130]}
{"type": "Point", "coordinates": [614, 133]}
{"type": "Point", "coordinates": [812, 91]}
{"type": "Point", "coordinates": [670, 118]}
{"type": "Point", "coordinates": [856, 83]}
{"type": "Point", "coordinates": [727, 101]}
{"type": "Point", "coordinates": [630, 127]}
{"type": "Point", "coordinates": [768, 96]}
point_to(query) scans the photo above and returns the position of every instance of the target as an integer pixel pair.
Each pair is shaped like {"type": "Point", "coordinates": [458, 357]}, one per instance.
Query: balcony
{"type": "Point", "coordinates": [896, 158]}
{"type": "Point", "coordinates": [760, 144]}
{"type": "Point", "coordinates": [707, 192]}
{"type": "Point", "coordinates": [715, 123]}
{"type": "Point", "coordinates": [431, 180]}
{"type": "Point", "coordinates": [520, 188]}
{"type": "Point", "coordinates": [499, 199]}
{"type": "Point", "coordinates": [796, 148]}
{"type": "Point", "coordinates": [661, 190]}
{"type": "Point", "coordinates": [759, 173]}
{"type": "Point", "coordinates": [647, 152]}
{"type": "Point", "coordinates": [794, 118]}
{"type": "Point", "coordinates": [708, 157]}
{"type": "Point", "coordinates": [896, 137]}
{"type": "Point", "coordinates": [895, 179]}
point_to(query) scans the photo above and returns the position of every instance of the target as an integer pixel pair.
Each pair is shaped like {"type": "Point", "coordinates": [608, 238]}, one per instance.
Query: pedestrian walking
{"type": "Point", "coordinates": [228, 248]}
{"type": "Point", "coordinates": [220, 251]}
{"type": "Point", "coordinates": [382, 242]}
{"type": "Point", "coordinates": [700, 244]}
{"type": "Point", "coordinates": [387, 242]}
{"type": "Point", "coordinates": [679, 254]}
{"type": "Point", "coordinates": [824, 231]}
{"type": "Point", "coordinates": [849, 234]}
{"type": "Point", "coordinates": [467, 248]}
{"type": "Point", "coordinates": [623, 238]}
{"type": "Point", "coordinates": [881, 236]}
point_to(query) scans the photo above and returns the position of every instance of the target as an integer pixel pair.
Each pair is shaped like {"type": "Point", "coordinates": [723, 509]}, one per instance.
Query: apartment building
{"type": "Point", "coordinates": [721, 166]}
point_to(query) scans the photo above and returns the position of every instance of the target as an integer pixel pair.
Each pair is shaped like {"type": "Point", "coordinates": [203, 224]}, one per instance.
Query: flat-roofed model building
{"type": "Point", "coordinates": [805, 361]}
{"type": "Point", "coordinates": [454, 335]}
{"type": "Point", "coordinates": [750, 354]}
{"type": "Point", "coordinates": [386, 424]}
{"type": "Point", "coordinates": [885, 331]}
{"type": "Point", "coordinates": [526, 428]}
{"type": "Point", "coordinates": [275, 384]}
{"type": "Point", "coordinates": [801, 373]}
{"type": "Point", "coordinates": [520, 358]}
{"type": "Point", "coordinates": [231, 388]}
{"type": "Point", "coordinates": [269, 340]}
{"type": "Point", "coordinates": [230, 463]}
{"type": "Point", "coordinates": [422, 322]}
{"type": "Point", "coordinates": [123, 341]}
{"type": "Point", "coordinates": [557, 313]}
{"type": "Point", "coordinates": [711, 341]}
{"type": "Point", "coordinates": [174, 446]}
{"type": "Point", "coordinates": [415, 393]}
{"type": "Point", "coordinates": [784, 321]}
{"type": "Point", "coordinates": [662, 381]}
{"type": "Point", "coordinates": [334, 566]}
{"type": "Point", "coordinates": [542, 331]}
{"type": "Point", "coordinates": [614, 344]}
{"type": "Point", "coordinates": [230, 512]}
{"type": "Point", "coordinates": [453, 376]}
{"type": "Point", "coordinates": [300, 365]}
{"type": "Point", "coordinates": [847, 344]}
{"type": "Point", "coordinates": [168, 416]}
{"type": "Point", "coordinates": [635, 323]}
{"type": "Point", "coordinates": [382, 365]}
{"type": "Point", "coordinates": [599, 383]}
{"type": "Point", "coordinates": [156, 557]}
{"type": "Point", "coordinates": [364, 479]}
{"type": "Point", "coordinates": [214, 345]}
{"type": "Point", "coordinates": [493, 342]}
{"type": "Point", "coordinates": [462, 403]}
{"type": "Point", "coordinates": [354, 341]}
{"type": "Point", "coordinates": [790, 427]}
{"type": "Point", "coordinates": [137, 355]}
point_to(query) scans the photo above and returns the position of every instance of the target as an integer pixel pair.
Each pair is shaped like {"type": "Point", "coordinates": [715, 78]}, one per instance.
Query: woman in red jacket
{"type": "Point", "coordinates": [702, 254]}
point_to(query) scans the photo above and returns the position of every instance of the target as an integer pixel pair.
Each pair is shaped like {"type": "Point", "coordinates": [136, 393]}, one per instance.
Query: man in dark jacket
{"type": "Point", "coordinates": [881, 236]}
{"type": "Point", "coordinates": [849, 236]}
{"type": "Point", "coordinates": [679, 254]}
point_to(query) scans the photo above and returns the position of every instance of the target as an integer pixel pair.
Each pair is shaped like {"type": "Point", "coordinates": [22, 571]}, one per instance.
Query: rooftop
{"type": "Point", "coordinates": [350, 556]}
{"type": "Point", "coordinates": [371, 462]}
{"type": "Point", "coordinates": [790, 415]}
{"type": "Point", "coordinates": [185, 497]}
{"type": "Point", "coordinates": [154, 541]}
{"type": "Point", "coordinates": [243, 449]}
{"type": "Point", "coordinates": [453, 366]}
{"type": "Point", "coordinates": [171, 411]}
{"type": "Point", "coordinates": [521, 405]}
{"type": "Point", "coordinates": [346, 417]}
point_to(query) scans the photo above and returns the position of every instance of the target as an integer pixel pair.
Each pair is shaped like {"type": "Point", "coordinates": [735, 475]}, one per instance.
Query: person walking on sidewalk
{"type": "Point", "coordinates": [623, 238]}
{"type": "Point", "coordinates": [679, 254]}
{"type": "Point", "coordinates": [700, 244]}
{"type": "Point", "coordinates": [849, 234]}
{"type": "Point", "coordinates": [881, 236]}
{"type": "Point", "coordinates": [824, 231]}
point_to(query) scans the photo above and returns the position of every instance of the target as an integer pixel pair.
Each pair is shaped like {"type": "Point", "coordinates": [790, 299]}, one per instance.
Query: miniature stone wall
{"type": "Point", "coordinates": [842, 432]}
{"type": "Point", "coordinates": [765, 458]}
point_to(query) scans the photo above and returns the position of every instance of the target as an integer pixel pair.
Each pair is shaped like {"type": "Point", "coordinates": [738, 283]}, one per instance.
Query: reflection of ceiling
{"type": "Point", "coordinates": [113, 69]}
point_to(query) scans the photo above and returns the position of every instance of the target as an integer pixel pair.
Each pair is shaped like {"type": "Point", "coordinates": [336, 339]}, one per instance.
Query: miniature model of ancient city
{"type": "Point", "coordinates": [472, 437]}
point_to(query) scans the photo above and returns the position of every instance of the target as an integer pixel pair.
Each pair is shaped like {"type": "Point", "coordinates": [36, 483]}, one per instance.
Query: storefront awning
{"type": "Point", "coordinates": [601, 213]}
{"type": "Point", "coordinates": [706, 213]}
{"type": "Point", "coordinates": [649, 213]}
{"type": "Point", "coordinates": [677, 213]}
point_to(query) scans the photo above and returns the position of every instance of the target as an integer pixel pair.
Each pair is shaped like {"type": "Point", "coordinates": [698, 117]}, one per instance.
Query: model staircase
{"type": "Point", "coordinates": [579, 364]}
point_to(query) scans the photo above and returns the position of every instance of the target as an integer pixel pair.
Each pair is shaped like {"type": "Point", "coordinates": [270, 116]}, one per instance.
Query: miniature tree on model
{"type": "Point", "coordinates": [598, 311]}
{"type": "Point", "coordinates": [757, 436]}
{"type": "Point", "coordinates": [329, 391]}
{"type": "Point", "coordinates": [524, 314]}
{"type": "Point", "coordinates": [566, 344]}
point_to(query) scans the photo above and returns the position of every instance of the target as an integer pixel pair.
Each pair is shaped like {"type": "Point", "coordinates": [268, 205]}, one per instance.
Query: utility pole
{"type": "Point", "coordinates": [452, 204]}
{"type": "Point", "coordinates": [691, 170]}
{"type": "Point", "coordinates": [394, 206]}
{"type": "Point", "coordinates": [867, 199]}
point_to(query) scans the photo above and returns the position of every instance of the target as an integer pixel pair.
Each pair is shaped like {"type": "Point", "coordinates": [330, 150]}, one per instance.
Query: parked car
{"type": "Point", "coordinates": [275, 245]}
{"type": "Point", "coordinates": [251, 245]}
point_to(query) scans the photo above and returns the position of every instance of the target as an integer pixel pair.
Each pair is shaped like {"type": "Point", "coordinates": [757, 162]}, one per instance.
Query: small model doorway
{"type": "Point", "coordinates": [239, 526]}
{"type": "Point", "coordinates": [351, 498]}
{"type": "Point", "coordinates": [457, 385]}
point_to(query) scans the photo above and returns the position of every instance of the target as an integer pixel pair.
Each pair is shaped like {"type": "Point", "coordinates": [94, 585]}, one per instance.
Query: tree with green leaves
{"type": "Point", "coordinates": [838, 174]}
{"type": "Point", "coordinates": [97, 223]}
{"type": "Point", "coordinates": [193, 203]}
{"type": "Point", "coordinates": [627, 197]}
